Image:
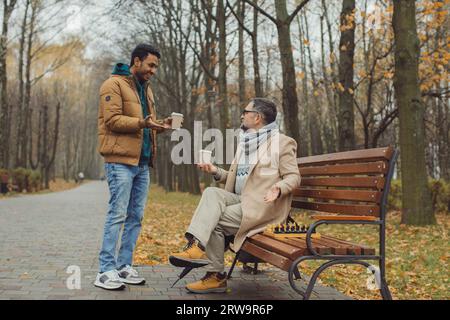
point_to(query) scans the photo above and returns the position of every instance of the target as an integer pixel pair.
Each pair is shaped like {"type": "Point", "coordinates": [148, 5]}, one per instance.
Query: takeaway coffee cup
{"type": "Point", "coordinates": [205, 156]}
{"type": "Point", "coordinates": [177, 119]}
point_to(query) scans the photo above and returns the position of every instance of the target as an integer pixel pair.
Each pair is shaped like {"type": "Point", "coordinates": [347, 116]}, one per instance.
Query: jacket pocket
{"type": "Point", "coordinates": [127, 145]}
{"type": "Point", "coordinates": [107, 146]}
{"type": "Point", "coordinates": [267, 171]}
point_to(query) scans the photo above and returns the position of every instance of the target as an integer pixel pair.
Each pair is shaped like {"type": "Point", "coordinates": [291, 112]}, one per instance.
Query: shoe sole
{"type": "Point", "coordinates": [180, 262]}
{"type": "Point", "coordinates": [213, 290]}
{"type": "Point", "coordinates": [132, 282]}
{"type": "Point", "coordinates": [102, 286]}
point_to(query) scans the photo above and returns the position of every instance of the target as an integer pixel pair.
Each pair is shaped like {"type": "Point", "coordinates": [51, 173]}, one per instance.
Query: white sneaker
{"type": "Point", "coordinates": [129, 275]}
{"type": "Point", "coordinates": [109, 280]}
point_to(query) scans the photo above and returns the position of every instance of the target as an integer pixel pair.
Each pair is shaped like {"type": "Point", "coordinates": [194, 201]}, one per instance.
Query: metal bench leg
{"type": "Point", "coordinates": [314, 277]}
{"type": "Point", "coordinates": [326, 265]}
{"type": "Point", "coordinates": [236, 257]}
{"type": "Point", "coordinates": [293, 271]}
{"type": "Point", "coordinates": [307, 294]}
{"type": "Point", "coordinates": [255, 268]}
{"type": "Point", "coordinates": [297, 274]}
{"type": "Point", "coordinates": [384, 289]}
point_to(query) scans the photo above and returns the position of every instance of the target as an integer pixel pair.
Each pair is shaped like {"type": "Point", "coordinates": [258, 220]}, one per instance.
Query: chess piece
{"type": "Point", "coordinates": [288, 228]}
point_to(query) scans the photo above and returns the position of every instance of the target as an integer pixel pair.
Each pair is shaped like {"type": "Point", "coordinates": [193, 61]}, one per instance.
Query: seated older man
{"type": "Point", "coordinates": [257, 193]}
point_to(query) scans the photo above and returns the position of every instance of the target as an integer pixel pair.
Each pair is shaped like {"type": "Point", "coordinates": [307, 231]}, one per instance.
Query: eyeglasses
{"type": "Point", "coordinates": [244, 112]}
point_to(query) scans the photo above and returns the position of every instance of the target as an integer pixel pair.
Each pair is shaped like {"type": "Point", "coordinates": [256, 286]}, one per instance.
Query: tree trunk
{"type": "Point", "coordinates": [329, 126]}
{"type": "Point", "coordinates": [443, 120]}
{"type": "Point", "coordinates": [24, 137]}
{"type": "Point", "coordinates": [314, 110]}
{"type": "Point", "coordinates": [290, 99]}
{"type": "Point", "coordinates": [334, 79]}
{"type": "Point", "coordinates": [241, 14]}
{"type": "Point", "coordinates": [51, 159]}
{"type": "Point", "coordinates": [223, 90]}
{"type": "Point", "coordinates": [240, 17]}
{"type": "Point", "coordinates": [346, 120]}
{"type": "Point", "coordinates": [20, 115]}
{"type": "Point", "coordinates": [416, 201]}
{"type": "Point", "coordinates": [255, 55]}
{"type": "Point", "coordinates": [5, 106]}
{"type": "Point", "coordinates": [44, 154]}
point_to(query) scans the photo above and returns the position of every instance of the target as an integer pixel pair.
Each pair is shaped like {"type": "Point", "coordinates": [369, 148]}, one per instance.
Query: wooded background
{"type": "Point", "coordinates": [345, 74]}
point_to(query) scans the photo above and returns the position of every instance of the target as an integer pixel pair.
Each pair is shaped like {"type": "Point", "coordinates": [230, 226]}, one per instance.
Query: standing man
{"type": "Point", "coordinates": [127, 128]}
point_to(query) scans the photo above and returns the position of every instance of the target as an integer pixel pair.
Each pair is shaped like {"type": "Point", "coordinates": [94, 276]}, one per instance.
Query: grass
{"type": "Point", "coordinates": [54, 186]}
{"type": "Point", "coordinates": [417, 257]}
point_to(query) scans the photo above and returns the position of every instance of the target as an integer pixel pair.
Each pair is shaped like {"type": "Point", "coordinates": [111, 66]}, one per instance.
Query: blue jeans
{"type": "Point", "coordinates": [128, 188]}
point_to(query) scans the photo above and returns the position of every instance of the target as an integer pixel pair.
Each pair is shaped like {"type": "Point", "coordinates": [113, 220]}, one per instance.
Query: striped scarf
{"type": "Point", "coordinates": [249, 142]}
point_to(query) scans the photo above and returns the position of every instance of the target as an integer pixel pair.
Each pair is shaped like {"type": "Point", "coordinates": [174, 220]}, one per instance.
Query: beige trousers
{"type": "Point", "coordinates": [218, 214]}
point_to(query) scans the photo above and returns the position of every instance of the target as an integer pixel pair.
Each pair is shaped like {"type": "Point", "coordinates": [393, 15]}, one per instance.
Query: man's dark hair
{"type": "Point", "coordinates": [266, 108]}
{"type": "Point", "coordinates": [142, 51]}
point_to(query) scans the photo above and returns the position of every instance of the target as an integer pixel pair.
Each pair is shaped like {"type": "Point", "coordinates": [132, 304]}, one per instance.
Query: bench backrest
{"type": "Point", "coordinates": [348, 183]}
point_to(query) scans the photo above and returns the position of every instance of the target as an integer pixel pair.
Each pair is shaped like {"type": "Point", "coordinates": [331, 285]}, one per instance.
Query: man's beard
{"type": "Point", "coordinates": [243, 127]}
{"type": "Point", "coordinates": [141, 77]}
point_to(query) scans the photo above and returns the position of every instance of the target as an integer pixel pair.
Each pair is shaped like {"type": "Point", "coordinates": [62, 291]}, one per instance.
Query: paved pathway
{"type": "Point", "coordinates": [42, 235]}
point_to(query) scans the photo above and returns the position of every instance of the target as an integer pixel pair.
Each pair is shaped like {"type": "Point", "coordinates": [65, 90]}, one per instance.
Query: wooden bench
{"type": "Point", "coordinates": [353, 186]}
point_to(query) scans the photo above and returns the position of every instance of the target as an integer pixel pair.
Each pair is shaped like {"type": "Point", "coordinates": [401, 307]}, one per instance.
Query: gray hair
{"type": "Point", "coordinates": [266, 108]}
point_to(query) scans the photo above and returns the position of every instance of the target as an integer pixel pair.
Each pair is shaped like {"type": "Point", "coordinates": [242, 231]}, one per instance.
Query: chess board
{"type": "Point", "coordinates": [289, 230]}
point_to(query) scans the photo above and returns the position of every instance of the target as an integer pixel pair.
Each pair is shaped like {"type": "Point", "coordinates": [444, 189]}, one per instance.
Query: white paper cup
{"type": "Point", "coordinates": [205, 156]}
{"type": "Point", "coordinates": [177, 119]}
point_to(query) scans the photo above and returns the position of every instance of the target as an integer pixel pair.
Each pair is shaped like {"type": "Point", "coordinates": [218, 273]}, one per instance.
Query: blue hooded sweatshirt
{"type": "Point", "coordinates": [123, 69]}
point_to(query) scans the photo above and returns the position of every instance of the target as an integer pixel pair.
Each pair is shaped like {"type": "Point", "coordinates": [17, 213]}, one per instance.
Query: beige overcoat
{"type": "Point", "coordinates": [275, 164]}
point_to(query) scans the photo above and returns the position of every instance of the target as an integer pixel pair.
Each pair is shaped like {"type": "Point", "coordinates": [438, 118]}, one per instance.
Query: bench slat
{"type": "Point", "coordinates": [319, 247]}
{"type": "Point", "coordinates": [347, 248]}
{"type": "Point", "coordinates": [349, 182]}
{"type": "Point", "coordinates": [364, 249]}
{"type": "Point", "coordinates": [379, 167]}
{"type": "Point", "coordinates": [326, 245]}
{"type": "Point", "coordinates": [275, 259]}
{"type": "Point", "coordinates": [301, 244]}
{"type": "Point", "coordinates": [350, 195]}
{"type": "Point", "coordinates": [293, 248]}
{"type": "Point", "coordinates": [276, 246]}
{"type": "Point", "coordinates": [336, 248]}
{"type": "Point", "coordinates": [359, 155]}
{"type": "Point", "coordinates": [348, 209]}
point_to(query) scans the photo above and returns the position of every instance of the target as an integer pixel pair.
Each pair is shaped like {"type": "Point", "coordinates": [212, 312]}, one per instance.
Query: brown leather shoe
{"type": "Point", "coordinates": [212, 282]}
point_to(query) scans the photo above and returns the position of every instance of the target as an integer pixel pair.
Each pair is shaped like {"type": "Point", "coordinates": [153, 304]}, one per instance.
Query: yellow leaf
{"type": "Point", "coordinates": [301, 75]}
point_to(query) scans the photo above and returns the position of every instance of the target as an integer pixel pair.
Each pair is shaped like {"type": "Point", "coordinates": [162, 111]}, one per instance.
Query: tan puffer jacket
{"type": "Point", "coordinates": [120, 136]}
